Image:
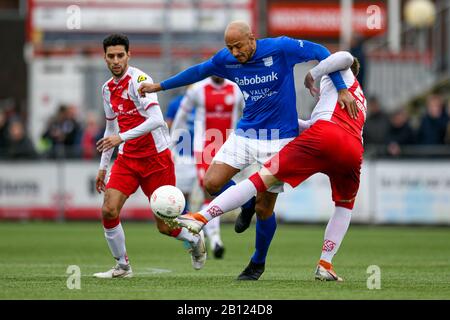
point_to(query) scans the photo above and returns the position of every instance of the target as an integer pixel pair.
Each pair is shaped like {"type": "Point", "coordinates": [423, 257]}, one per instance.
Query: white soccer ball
{"type": "Point", "coordinates": [167, 202]}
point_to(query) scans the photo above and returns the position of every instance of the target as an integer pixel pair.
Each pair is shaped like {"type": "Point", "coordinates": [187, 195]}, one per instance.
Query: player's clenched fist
{"type": "Point", "coordinates": [100, 181]}
{"type": "Point", "coordinates": [149, 88]}
{"type": "Point", "coordinates": [106, 143]}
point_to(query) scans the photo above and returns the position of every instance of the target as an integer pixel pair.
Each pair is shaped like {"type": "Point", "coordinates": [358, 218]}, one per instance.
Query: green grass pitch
{"type": "Point", "coordinates": [414, 264]}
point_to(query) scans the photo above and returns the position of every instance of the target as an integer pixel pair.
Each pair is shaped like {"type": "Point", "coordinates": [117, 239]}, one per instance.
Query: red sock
{"type": "Point", "coordinates": [111, 223]}
{"type": "Point", "coordinates": [175, 232]}
{"type": "Point", "coordinates": [258, 182]}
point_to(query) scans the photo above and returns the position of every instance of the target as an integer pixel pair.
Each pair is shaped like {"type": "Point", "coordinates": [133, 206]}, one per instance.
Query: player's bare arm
{"type": "Point", "coordinates": [100, 181]}
{"type": "Point", "coordinates": [106, 143]}
{"type": "Point", "coordinates": [149, 88]}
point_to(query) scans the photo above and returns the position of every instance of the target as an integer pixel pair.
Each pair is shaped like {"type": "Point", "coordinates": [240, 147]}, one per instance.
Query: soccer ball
{"type": "Point", "coordinates": [167, 202]}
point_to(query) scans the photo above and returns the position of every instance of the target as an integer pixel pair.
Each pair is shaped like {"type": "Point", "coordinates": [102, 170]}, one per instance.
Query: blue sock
{"type": "Point", "coordinates": [265, 229]}
{"type": "Point", "coordinates": [225, 187]}
{"type": "Point", "coordinates": [186, 208]}
{"type": "Point", "coordinates": [249, 204]}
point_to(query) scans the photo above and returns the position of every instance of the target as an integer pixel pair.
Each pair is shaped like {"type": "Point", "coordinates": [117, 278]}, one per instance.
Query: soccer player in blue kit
{"type": "Point", "coordinates": [264, 71]}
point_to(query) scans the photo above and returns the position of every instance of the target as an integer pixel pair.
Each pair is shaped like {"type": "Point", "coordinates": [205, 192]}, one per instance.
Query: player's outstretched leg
{"type": "Point", "coordinates": [247, 210]}
{"type": "Point", "coordinates": [334, 234]}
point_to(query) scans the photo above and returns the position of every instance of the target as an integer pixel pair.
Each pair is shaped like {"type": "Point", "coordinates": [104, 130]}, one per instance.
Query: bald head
{"type": "Point", "coordinates": [237, 27]}
{"type": "Point", "coordinates": [240, 40]}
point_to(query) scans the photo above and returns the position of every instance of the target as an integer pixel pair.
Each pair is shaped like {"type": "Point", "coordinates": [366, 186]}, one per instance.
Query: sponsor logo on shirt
{"type": "Point", "coordinates": [141, 78]}
{"type": "Point", "coordinates": [121, 112]}
{"type": "Point", "coordinates": [268, 61]}
{"type": "Point", "coordinates": [257, 94]}
{"type": "Point", "coordinates": [233, 66]}
{"type": "Point", "coordinates": [256, 79]}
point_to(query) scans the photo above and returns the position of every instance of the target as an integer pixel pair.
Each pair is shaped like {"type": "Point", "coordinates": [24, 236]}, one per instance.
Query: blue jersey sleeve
{"type": "Point", "coordinates": [192, 75]}
{"type": "Point", "coordinates": [298, 51]}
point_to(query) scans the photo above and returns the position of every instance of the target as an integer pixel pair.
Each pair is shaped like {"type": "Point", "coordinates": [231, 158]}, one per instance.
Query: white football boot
{"type": "Point", "coordinates": [119, 271]}
{"type": "Point", "coordinates": [325, 272]}
{"type": "Point", "coordinates": [194, 222]}
{"type": "Point", "coordinates": [198, 252]}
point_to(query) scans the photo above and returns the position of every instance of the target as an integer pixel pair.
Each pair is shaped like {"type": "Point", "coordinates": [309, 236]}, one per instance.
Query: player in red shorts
{"type": "Point", "coordinates": [219, 103]}
{"type": "Point", "coordinates": [331, 143]}
{"type": "Point", "coordinates": [137, 127]}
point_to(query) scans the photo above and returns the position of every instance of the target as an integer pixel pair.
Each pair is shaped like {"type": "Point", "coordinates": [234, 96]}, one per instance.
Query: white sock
{"type": "Point", "coordinates": [230, 199]}
{"type": "Point", "coordinates": [335, 232]}
{"type": "Point", "coordinates": [212, 231]}
{"type": "Point", "coordinates": [185, 235]}
{"type": "Point", "coordinates": [116, 242]}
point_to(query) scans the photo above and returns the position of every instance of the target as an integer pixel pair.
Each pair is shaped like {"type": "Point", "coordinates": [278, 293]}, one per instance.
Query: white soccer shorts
{"type": "Point", "coordinates": [241, 152]}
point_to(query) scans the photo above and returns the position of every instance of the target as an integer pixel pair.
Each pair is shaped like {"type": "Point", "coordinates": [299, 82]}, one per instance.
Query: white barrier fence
{"type": "Point", "coordinates": [403, 192]}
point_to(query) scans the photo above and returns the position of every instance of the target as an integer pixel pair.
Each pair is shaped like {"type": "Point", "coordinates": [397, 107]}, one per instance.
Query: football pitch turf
{"type": "Point", "coordinates": [34, 257]}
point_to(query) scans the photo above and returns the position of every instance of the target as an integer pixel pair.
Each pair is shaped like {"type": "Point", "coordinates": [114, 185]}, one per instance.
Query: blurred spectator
{"type": "Point", "coordinates": [3, 133]}
{"type": "Point", "coordinates": [447, 133]}
{"type": "Point", "coordinates": [7, 112]}
{"type": "Point", "coordinates": [400, 132]}
{"type": "Point", "coordinates": [377, 123]}
{"type": "Point", "coordinates": [433, 125]}
{"type": "Point", "coordinates": [64, 133]}
{"type": "Point", "coordinates": [90, 136]}
{"type": "Point", "coordinates": [19, 146]}
{"type": "Point", "coordinates": [358, 51]}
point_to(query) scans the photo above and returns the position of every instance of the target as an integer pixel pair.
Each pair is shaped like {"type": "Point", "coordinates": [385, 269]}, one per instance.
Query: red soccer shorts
{"type": "Point", "coordinates": [127, 174]}
{"type": "Point", "coordinates": [327, 148]}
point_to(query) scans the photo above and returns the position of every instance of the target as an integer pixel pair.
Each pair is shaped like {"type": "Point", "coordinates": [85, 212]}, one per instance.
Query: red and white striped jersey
{"type": "Point", "coordinates": [218, 107]}
{"type": "Point", "coordinates": [327, 108]}
{"type": "Point", "coordinates": [122, 102]}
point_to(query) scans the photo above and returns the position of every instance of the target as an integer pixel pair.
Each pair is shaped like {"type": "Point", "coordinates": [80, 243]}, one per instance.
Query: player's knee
{"type": "Point", "coordinates": [109, 212]}
{"type": "Point", "coordinates": [211, 185]}
{"type": "Point", "coordinates": [262, 212]}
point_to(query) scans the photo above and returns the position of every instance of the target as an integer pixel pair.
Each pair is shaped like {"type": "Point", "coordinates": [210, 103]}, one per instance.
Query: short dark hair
{"type": "Point", "coordinates": [116, 39]}
{"type": "Point", "coordinates": [355, 66]}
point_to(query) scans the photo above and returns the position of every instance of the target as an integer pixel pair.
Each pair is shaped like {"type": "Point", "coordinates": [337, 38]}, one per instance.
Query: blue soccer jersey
{"type": "Point", "coordinates": [266, 81]}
